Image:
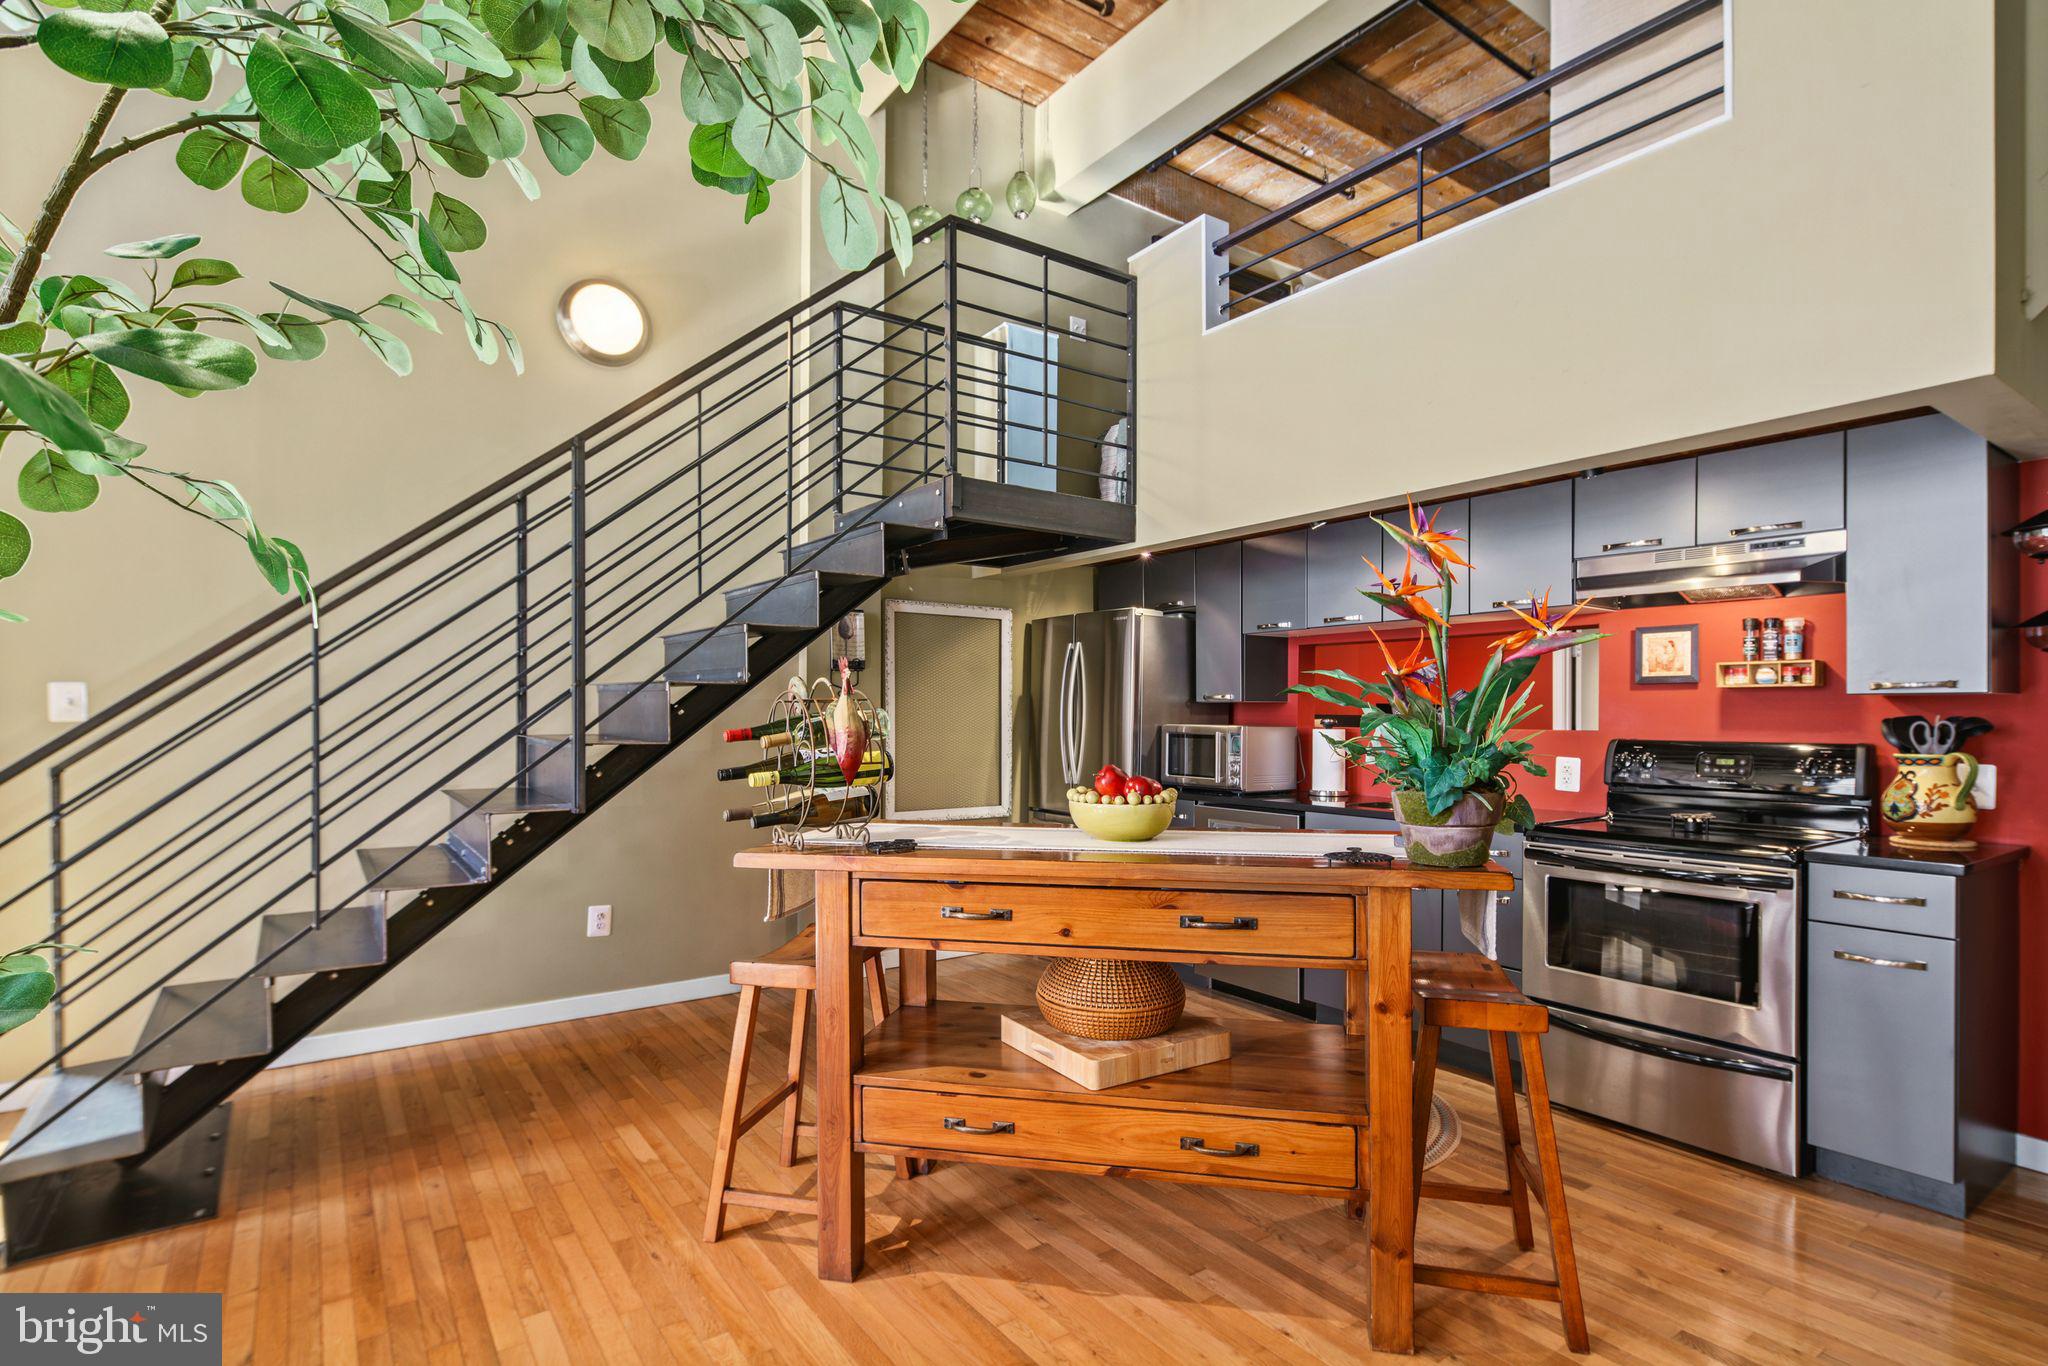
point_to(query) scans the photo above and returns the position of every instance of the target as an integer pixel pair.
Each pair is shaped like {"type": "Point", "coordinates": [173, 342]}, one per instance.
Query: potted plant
{"type": "Point", "coordinates": [1451, 758]}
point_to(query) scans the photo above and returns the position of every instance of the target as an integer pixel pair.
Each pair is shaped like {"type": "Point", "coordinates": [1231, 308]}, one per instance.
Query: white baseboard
{"type": "Point", "coordinates": [2032, 1153]}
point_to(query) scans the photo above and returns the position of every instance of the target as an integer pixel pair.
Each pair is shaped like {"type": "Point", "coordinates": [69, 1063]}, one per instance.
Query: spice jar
{"type": "Point", "coordinates": [1773, 642]}
{"type": "Point", "coordinates": [1795, 638]}
{"type": "Point", "coordinates": [1765, 676]}
{"type": "Point", "coordinates": [1751, 630]}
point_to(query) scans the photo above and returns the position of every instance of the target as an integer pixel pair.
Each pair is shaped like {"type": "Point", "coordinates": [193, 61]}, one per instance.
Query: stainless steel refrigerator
{"type": "Point", "coordinates": [1098, 687]}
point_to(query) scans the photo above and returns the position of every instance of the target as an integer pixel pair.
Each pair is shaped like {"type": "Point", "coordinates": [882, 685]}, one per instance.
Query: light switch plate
{"type": "Point", "coordinates": [1985, 793]}
{"type": "Point", "coordinates": [1077, 324]}
{"type": "Point", "coordinates": [600, 922]}
{"type": "Point", "coordinates": [1567, 774]}
{"type": "Point", "coordinates": [67, 702]}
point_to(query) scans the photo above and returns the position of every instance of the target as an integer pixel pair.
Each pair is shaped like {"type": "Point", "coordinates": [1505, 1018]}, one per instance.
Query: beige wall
{"type": "Point", "coordinates": [1772, 269]}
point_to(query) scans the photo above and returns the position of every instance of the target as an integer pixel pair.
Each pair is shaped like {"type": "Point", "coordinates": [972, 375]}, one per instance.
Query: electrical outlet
{"type": "Point", "coordinates": [600, 922]}
{"type": "Point", "coordinates": [1077, 324]}
{"type": "Point", "coordinates": [1985, 793]}
{"type": "Point", "coordinates": [67, 702]}
{"type": "Point", "coordinates": [1566, 774]}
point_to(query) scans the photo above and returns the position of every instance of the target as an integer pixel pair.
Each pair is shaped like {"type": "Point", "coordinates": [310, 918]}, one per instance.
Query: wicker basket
{"type": "Point", "coordinates": [1098, 998]}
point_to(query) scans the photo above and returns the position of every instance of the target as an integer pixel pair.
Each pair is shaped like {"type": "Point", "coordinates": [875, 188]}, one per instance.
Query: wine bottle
{"type": "Point", "coordinates": [765, 729]}
{"type": "Point", "coordinates": [823, 773]}
{"type": "Point", "coordinates": [774, 763]}
{"type": "Point", "coordinates": [819, 813]}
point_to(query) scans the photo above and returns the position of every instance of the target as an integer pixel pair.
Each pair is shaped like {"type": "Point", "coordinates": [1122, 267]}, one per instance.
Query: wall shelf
{"type": "Point", "coordinates": [1792, 673]}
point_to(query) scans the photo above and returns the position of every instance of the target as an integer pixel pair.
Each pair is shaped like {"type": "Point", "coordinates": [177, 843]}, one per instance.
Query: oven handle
{"type": "Point", "coordinates": [1750, 881]}
{"type": "Point", "coordinates": [1670, 1054]}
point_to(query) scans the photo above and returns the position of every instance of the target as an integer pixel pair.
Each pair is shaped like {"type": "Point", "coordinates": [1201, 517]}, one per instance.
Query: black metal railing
{"type": "Point", "coordinates": [1446, 173]}
{"type": "Point", "coordinates": [244, 782]}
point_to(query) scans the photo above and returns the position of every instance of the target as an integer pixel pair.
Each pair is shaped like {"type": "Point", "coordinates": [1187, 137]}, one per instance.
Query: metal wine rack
{"type": "Point", "coordinates": [807, 712]}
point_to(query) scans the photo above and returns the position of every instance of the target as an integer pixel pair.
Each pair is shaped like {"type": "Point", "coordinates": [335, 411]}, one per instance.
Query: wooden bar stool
{"type": "Point", "coordinates": [1469, 991]}
{"type": "Point", "coordinates": [792, 967]}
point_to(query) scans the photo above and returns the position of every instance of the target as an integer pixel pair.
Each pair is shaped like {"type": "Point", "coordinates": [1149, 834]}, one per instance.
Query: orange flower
{"type": "Point", "coordinates": [1542, 626]}
{"type": "Point", "coordinates": [1417, 673]}
{"type": "Point", "coordinates": [1407, 598]}
{"type": "Point", "coordinates": [1422, 535]}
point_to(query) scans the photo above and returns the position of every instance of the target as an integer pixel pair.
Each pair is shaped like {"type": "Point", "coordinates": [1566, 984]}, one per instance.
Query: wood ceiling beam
{"type": "Point", "coordinates": [1182, 197]}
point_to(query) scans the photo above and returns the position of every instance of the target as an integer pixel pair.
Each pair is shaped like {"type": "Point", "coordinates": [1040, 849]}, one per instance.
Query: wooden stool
{"type": "Point", "coordinates": [793, 967]}
{"type": "Point", "coordinates": [1469, 991]}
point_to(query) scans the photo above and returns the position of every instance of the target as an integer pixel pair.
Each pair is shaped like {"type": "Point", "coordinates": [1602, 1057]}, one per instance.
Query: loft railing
{"type": "Point", "coordinates": [1419, 168]}
{"type": "Point", "coordinates": [243, 782]}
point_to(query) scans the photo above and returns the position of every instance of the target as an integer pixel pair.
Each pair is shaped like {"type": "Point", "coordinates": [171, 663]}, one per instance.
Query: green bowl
{"type": "Point", "coordinates": [1129, 824]}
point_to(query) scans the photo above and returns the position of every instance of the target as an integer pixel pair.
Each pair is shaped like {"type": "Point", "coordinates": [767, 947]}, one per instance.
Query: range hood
{"type": "Point", "coordinates": [1779, 566]}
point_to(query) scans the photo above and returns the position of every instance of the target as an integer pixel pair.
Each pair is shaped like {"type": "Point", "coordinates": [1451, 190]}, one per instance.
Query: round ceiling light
{"type": "Point", "coordinates": [602, 322]}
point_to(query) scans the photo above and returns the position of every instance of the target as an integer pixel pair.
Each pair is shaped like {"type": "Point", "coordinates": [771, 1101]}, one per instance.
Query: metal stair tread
{"type": "Point", "coordinates": [499, 801]}
{"type": "Point", "coordinates": [402, 868]}
{"type": "Point", "coordinates": [111, 1122]}
{"type": "Point", "coordinates": [235, 1026]}
{"type": "Point", "coordinates": [788, 603]}
{"type": "Point", "coordinates": [352, 937]}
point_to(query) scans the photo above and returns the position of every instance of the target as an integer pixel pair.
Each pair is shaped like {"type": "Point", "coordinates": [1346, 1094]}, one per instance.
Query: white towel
{"type": "Point", "coordinates": [1479, 920]}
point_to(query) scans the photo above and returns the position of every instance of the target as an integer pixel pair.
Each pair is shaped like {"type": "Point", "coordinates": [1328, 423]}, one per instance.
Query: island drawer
{"type": "Point", "coordinates": [1882, 899]}
{"type": "Point", "coordinates": [1251, 1148]}
{"type": "Point", "coordinates": [1276, 924]}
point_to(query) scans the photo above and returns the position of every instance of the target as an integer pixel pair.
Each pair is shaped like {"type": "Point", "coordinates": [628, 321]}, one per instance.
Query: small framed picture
{"type": "Point", "coordinates": [1667, 654]}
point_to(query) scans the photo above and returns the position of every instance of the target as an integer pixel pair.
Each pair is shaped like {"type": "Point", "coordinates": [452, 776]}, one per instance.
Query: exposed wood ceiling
{"type": "Point", "coordinates": [1418, 68]}
{"type": "Point", "coordinates": [1029, 48]}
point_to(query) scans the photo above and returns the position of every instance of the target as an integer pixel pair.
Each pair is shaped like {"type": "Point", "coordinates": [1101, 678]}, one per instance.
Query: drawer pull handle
{"type": "Point", "coordinates": [1274, 626]}
{"type": "Point", "coordinates": [1530, 603]}
{"type": "Point", "coordinates": [1908, 964]}
{"type": "Point", "coordinates": [1632, 545]}
{"type": "Point", "coordinates": [961, 1126]}
{"type": "Point", "coordinates": [1350, 616]}
{"type": "Point", "coordinates": [1194, 1144]}
{"type": "Point", "coordinates": [1236, 922]}
{"type": "Point", "coordinates": [962, 913]}
{"type": "Point", "coordinates": [1219, 697]}
{"type": "Point", "coordinates": [1895, 685]}
{"type": "Point", "coordinates": [1877, 900]}
{"type": "Point", "coordinates": [1738, 532]}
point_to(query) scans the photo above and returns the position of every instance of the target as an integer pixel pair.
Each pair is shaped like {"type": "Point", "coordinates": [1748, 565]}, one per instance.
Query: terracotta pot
{"type": "Point", "coordinates": [1929, 801]}
{"type": "Point", "coordinates": [1461, 837]}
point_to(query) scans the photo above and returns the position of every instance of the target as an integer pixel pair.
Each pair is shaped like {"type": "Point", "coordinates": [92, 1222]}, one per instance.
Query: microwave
{"type": "Point", "coordinates": [1228, 758]}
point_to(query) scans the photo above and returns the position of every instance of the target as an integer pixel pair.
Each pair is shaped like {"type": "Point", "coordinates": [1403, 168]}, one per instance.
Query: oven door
{"type": "Point", "coordinates": [1704, 949]}
{"type": "Point", "coordinates": [1195, 756]}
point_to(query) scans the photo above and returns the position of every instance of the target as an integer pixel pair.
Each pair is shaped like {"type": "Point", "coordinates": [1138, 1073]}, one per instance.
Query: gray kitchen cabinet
{"type": "Point", "coordinates": [1521, 546]}
{"type": "Point", "coordinates": [1276, 582]}
{"type": "Point", "coordinates": [1454, 517]}
{"type": "Point", "coordinates": [1337, 571]}
{"type": "Point", "coordinates": [1507, 852]}
{"type": "Point", "coordinates": [1230, 666]}
{"type": "Point", "coordinates": [1643, 507]}
{"type": "Point", "coordinates": [1785, 486]}
{"type": "Point", "coordinates": [1933, 581]}
{"type": "Point", "coordinates": [1120, 584]}
{"type": "Point", "coordinates": [1170, 581]}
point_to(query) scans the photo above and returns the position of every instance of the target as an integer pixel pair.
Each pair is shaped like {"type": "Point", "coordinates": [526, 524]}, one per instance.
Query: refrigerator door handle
{"type": "Point", "coordinates": [1080, 709]}
{"type": "Point", "coordinates": [1067, 756]}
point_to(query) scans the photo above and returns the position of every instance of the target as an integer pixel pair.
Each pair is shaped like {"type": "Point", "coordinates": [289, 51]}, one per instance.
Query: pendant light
{"type": "Point", "coordinates": [974, 205]}
{"type": "Point", "coordinates": [924, 215]}
{"type": "Point", "coordinates": [1021, 194]}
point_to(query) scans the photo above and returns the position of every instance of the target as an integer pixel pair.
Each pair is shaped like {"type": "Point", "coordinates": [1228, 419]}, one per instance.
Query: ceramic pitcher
{"type": "Point", "coordinates": [1929, 801]}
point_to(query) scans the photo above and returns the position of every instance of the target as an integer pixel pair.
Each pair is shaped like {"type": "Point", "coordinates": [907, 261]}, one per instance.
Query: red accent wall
{"type": "Point", "coordinates": [1629, 710]}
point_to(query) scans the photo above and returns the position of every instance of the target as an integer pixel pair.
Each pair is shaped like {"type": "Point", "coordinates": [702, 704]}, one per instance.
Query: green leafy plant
{"type": "Point", "coordinates": [377, 110]}
{"type": "Point", "coordinates": [1413, 734]}
{"type": "Point", "coordinates": [27, 984]}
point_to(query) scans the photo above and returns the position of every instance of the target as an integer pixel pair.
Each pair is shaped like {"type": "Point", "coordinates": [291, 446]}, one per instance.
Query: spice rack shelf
{"type": "Point", "coordinates": [1792, 673]}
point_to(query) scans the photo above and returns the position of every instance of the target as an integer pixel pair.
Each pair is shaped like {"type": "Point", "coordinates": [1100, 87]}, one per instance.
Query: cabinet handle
{"type": "Point", "coordinates": [1177, 602]}
{"type": "Point", "coordinates": [1236, 922]}
{"type": "Point", "coordinates": [1881, 900]}
{"type": "Point", "coordinates": [1333, 621]}
{"type": "Point", "coordinates": [1194, 1144]}
{"type": "Point", "coordinates": [962, 913]}
{"type": "Point", "coordinates": [1632, 545]}
{"type": "Point", "coordinates": [961, 1126]}
{"type": "Point", "coordinates": [1219, 697]}
{"type": "Point", "coordinates": [1892, 685]}
{"type": "Point", "coordinates": [1908, 964]}
{"type": "Point", "coordinates": [1516, 602]}
{"type": "Point", "coordinates": [1762, 527]}
{"type": "Point", "coordinates": [1274, 626]}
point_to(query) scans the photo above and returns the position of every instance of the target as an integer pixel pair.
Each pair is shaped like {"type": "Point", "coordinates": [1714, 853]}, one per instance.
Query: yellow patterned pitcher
{"type": "Point", "coordinates": [1929, 802]}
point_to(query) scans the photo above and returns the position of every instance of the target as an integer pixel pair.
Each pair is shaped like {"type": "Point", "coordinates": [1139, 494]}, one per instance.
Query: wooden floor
{"type": "Point", "coordinates": [537, 1196]}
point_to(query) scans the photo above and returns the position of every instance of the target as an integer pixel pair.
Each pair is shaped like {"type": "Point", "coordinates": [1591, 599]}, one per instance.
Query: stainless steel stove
{"type": "Point", "coordinates": [1666, 937]}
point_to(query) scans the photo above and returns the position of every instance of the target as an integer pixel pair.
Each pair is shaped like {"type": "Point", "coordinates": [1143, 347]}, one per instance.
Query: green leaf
{"type": "Point", "coordinates": [459, 153]}
{"type": "Point", "coordinates": [96, 387]}
{"type": "Point", "coordinates": [844, 220]}
{"type": "Point", "coordinates": [624, 29]}
{"type": "Point", "coordinates": [22, 338]}
{"type": "Point", "coordinates": [210, 158]}
{"type": "Point", "coordinates": [620, 126]}
{"type": "Point", "coordinates": [522, 25]}
{"type": "Point", "coordinates": [528, 186]}
{"type": "Point", "coordinates": [290, 150]}
{"type": "Point", "coordinates": [411, 308]}
{"type": "Point", "coordinates": [203, 271]}
{"type": "Point", "coordinates": [26, 984]}
{"type": "Point", "coordinates": [126, 49]}
{"type": "Point", "coordinates": [836, 118]}
{"type": "Point", "coordinates": [711, 91]}
{"type": "Point", "coordinates": [768, 129]}
{"type": "Point", "coordinates": [513, 351]}
{"type": "Point", "coordinates": [585, 71]}
{"type": "Point", "coordinates": [47, 409]}
{"type": "Point", "coordinates": [772, 45]}
{"type": "Point", "coordinates": [757, 199]}
{"type": "Point", "coordinates": [277, 569]}
{"type": "Point", "coordinates": [433, 255]}
{"type": "Point", "coordinates": [456, 226]}
{"type": "Point", "coordinates": [492, 124]}
{"type": "Point", "coordinates": [397, 357]}
{"type": "Point", "coordinates": [711, 148]}
{"type": "Point", "coordinates": [304, 338]}
{"type": "Point", "coordinates": [422, 115]}
{"type": "Point", "coordinates": [46, 486]}
{"type": "Point", "coordinates": [272, 186]}
{"type": "Point", "coordinates": [453, 38]}
{"type": "Point", "coordinates": [851, 31]}
{"type": "Point", "coordinates": [898, 221]}
{"type": "Point", "coordinates": [541, 66]}
{"type": "Point", "coordinates": [266, 334]}
{"type": "Point", "coordinates": [155, 248]}
{"type": "Point", "coordinates": [905, 33]}
{"type": "Point", "coordinates": [191, 71]}
{"type": "Point", "coordinates": [310, 98]}
{"type": "Point", "coordinates": [632, 80]}
{"type": "Point", "coordinates": [14, 545]}
{"type": "Point", "coordinates": [482, 340]}
{"type": "Point", "coordinates": [565, 140]}
{"type": "Point", "coordinates": [382, 50]}
{"type": "Point", "coordinates": [189, 360]}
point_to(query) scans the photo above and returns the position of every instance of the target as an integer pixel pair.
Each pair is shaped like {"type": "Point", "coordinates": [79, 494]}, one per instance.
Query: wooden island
{"type": "Point", "coordinates": [1298, 1107]}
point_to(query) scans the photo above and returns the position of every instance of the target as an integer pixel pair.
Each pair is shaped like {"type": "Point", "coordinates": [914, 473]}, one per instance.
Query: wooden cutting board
{"type": "Point", "coordinates": [1101, 1063]}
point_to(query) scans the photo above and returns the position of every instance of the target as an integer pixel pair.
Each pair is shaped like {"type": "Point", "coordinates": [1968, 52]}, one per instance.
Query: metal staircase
{"type": "Point", "coordinates": [251, 840]}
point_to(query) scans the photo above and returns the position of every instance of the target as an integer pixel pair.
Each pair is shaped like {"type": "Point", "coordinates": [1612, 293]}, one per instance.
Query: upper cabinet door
{"type": "Point", "coordinates": [1170, 581]}
{"type": "Point", "coordinates": [1276, 583]}
{"type": "Point", "coordinates": [1521, 547]}
{"type": "Point", "coordinates": [1933, 581]}
{"type": "Point", "coordinates": [1219, 623]}
{"type": "Point", "coordinates": [1645, 507]}
{"type": "Point", "coordinates": [1787, 486]}
{"type": "Point", "coordinates": [1454, 517]}
{"type": "Point", "coordinates": [1337, 571]}
{"type": "Point", "coordinates": [1121, 584]}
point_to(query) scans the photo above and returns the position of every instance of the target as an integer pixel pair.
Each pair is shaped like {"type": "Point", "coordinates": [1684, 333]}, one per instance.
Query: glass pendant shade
{"type": "Point", "coordinates": [975, 205]}
{"type": "Point", "coordinates": [1021, 194]}
{"type": "Point", "coordinates": [922, 217]}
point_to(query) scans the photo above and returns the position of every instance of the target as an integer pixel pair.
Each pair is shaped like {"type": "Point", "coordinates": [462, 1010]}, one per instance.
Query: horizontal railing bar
{"type": "Point", "coordinates": [1035, 287]}
{"type": "Point", "coordinates": [1036, 325]}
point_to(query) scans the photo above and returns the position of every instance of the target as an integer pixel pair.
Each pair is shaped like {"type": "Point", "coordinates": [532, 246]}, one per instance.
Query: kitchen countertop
{"type": "Point", "coordinates": [1302, 802]}
{"type": "Point", "coordinates": [1881, 852]}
